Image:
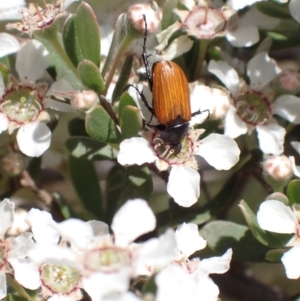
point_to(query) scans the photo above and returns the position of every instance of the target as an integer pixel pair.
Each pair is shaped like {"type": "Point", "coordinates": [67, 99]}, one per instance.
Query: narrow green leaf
{"type": "Point", "coordinates": [275, 255]}
{"type": "Point", "coordinates": [90, 76]}
{"type": "Point", "coordinates": [131, 122]}
{"type": "Point", "coordinates": [293, 192]}
{"type": "Point", "coordinates": [81, 36]}
{"type": "Point", "coordinates": [264, 237]}
{"type": "Point", "coordinates": [100, 126]}
{"type": "Point", "coordinates": [86, 184]}
{"type": "Point", "coordinates": [90, 149]}
{"type": "Point", "coordinates": [273, 10]}
{"type": "Point", "coordinates": [222, 235]}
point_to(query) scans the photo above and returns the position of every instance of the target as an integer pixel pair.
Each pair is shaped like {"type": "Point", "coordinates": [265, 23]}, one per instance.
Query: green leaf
{"type": "Point", "coordinates": [114, 189]}
{"type": "Point", "coordinates": [278, 196]}
{"type": "Point", "coordinates": [137, 184]}
{"type": "Point", "coordinates": [275, 255]}
{"type": "Point", "coordinates": [90, 76]}
{"type": "Point", "coordinates": [131, 122]}
{"type": "Point", "coordinates": [125, 100]}
{"type": "Point", "coordinates": [123, 78]}
{"type": "Point", "coordinates": [81, 36]}
{"type": "Point", "coordinates": [90, 149]}
{"type": "Point", "coordinates": [100, 126]}
{"type": "Point", "coordinates": [273, 10]}
{"type": "Point", "coordinates": [264, 237]}
{"type": "Point", "coordinates": [293, 192]}
{"type": "Point", "coordinates": [86, 184]}
{"type": "Point", "coordinates": [222, 235]}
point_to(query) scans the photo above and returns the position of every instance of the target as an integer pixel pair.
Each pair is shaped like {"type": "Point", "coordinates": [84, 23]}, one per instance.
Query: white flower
{"type": "Point", "coordinates": [9, 44]}
{"type": "Point", "coordinates": [240, 4]}
{"type": "Point", "coordinates": [296, 168]}
{"type": "Point", "coordinates": [220, 151]}
{"type": "Point", "coordinates": [191, 282]}
{"type": "Point", "coordinates": [291, 262]}
{"type": "Point", "coordinates": [10, 10]}
{"type": "Point", "coordinates": [13, 250]}
{"type": "Point", "coordinates": [21, 104]}
{"type": "Point", "coordinates": [276, 217]}
{"type": "Point", "coordinates": [252, 107]}
{"type": "Point", "coordinates": [294, 7]}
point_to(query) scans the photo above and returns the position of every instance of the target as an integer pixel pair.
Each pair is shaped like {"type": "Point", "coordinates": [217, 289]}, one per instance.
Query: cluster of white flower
{"type": "Point", "coordinates": [60, 259]}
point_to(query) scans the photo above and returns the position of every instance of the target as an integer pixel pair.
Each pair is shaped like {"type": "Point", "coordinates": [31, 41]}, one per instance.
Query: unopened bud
{"type": "Point", "coordinates": [136, 22]}
{"type": "Point", "coordinates": [13, 164]}
{"type": "Point", "coordinates": [82, 101]}
{"type": "Point", "coordinates": [287, 82]}
{"type": "Point", "coordinates": [277, 171]}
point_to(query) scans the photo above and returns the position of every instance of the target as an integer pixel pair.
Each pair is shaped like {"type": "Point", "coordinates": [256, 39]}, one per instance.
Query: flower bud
{"type": "Point", "coordinates": [287, 82]}
{"type": "Point", "coordinates": [13, 164]}
{"type": "Point", "coordinates": [84, 100]}
{"type": "Point", "coordinates": [277, 171]}
{"type": "Point", "coordinates": [136, 23]}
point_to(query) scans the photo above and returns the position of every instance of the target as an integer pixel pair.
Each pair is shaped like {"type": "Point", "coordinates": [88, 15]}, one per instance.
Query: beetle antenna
{"type": "Point", "coordinates": [200, 112]}
{"type": "Point", "coordinates": [145, 56]}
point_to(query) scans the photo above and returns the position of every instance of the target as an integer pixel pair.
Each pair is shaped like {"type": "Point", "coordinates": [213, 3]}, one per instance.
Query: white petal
{"type": "Point", "coordinates": [6, 215]}
{"type": "Point", "coordinates": [271, 138]}
{"type": "Point", "coordinates": [184, 185]}
{"type": "Point", "coordinates": [234, 125]}
{"type": "Point", "coordinates": [226, 74]}
{"type": "Point", "coordinates": [189, 240]}
{"type": "Point", "coordinates": [291, 262]}
{"type": "Point", "coordinates": [34, 138]}
{"type": "Point", "coordinates": [21, 245]}
{"type": "Point", "coordinates": [288, 107]}
{"type": "Point", "coordinates": [156, 253]}
{"type": "Point", "coordinates": [132, 220]}
{"type": "Point", "coordinates": [219, 151]}
{"type": "Point", "coordinates": [216, 265]}
{"type": "Point", "coordinates": [26, 273]}
{"type": "Point", "coordinates": [294, 7]}
{"type": "Point", "coordinates": [243, 36]}
{"type": "Point", "coordinates": [9, 44]}
{"type": "Point", "coordinates": [3, 122]}
{"type": "Point", "coordinates": [206, 289]}
{"type": "Point", "coordinates": [102, 284]}
{"type": "Point", "coordinates": [296, 146]}
{"type": "Point", "coordinates": [10, 10]}
{"type": "Point", "coordinates": [41, 226]}
{"type": "Point", "coordinates": [127, 296]}
{"type": "Point", "coordinates": [239, 4]}
{"type": "Point", "coordinates": [261, 69]}
{"type": "Point", "coordinates": [67, 3]}
{"type": "Point", "coordinates": [32, 61]}
{"type": "Point", "coordinates": [276, 217]}
{"type": "Point", "coordinates": [3, 290]}
{"type": "Point", "coordinates": [135, 151]}
{"type": "Point", "coordinates": [296, 169]}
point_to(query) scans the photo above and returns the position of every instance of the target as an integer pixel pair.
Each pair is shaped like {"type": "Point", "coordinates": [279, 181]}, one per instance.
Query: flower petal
{"type": "Point", "coordinates": [261, 69]}
{"type": "Point", "coordinates": [240, 4]}
{"type": "Point", "coordinates": [10, 10]}
{"type": "Point", "coordinates": [32, 61]}
{"type": "Point", "coordinates": [188, 240]}
{"type": "Point", "coordinates": [291, 262]}
{"type": "Point", "coordinates": [234, 125]}
{"type": "Point", "coordinates": [243, 36]}
{"type": "Point", "coordinates": [34, 138]}
{"type": "Point", "coordinates": [9, 44]}
{"type": "Point", "coordinates": [135, 151]}
{"type": "Point", "coordinates": [296, 169]}
{"type": "Point", "coordinates": [288, 107]}
{"type": "Point", "coordinates": [3, 286]}
{"type": "Point", "coordinates": [219, 151]}
{"type": "Point", "coordinates": [296, 146]}
{"type": "Point", "coordinates": [6, 215]}
{"type": "Point", "coordinates": [294, 7]}
{"type": "Point", "coordinates": [271, 138]}
{"type": "Point", "coordinates": [132, 220]}
{"type": "Point", "coordinates": [226, 74]}
{"type": "Point", "coordinates": [3, 122]}
{"type": "Point", "coordinates": [184, 185]}
{"type": "Point", "coordinates": [276, 217]}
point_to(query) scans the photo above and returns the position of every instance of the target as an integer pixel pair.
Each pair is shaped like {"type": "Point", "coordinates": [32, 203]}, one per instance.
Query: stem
{"type": "Point", "coordinates": [115, 62]}
{"type": "Point", "coordinates": [202, 53]}
{"type": "Point", "coordinates": [17, 287]}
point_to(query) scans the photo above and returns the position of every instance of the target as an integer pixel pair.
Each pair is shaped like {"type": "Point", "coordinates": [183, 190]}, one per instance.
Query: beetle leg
{"type": "Point", "coordinates": [200, 112]}
{"type": "Point", "coordinates": [145, 56]}
{"type": "Point", "coordinates": [143, 98]}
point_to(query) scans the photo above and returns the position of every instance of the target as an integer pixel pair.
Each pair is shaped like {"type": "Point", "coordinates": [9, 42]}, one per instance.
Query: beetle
{"type": "Point", "coordinates": [170, 100]}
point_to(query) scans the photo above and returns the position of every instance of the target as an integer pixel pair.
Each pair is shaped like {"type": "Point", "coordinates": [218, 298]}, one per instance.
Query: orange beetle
{"type": "Point", "coordinates": [171, 100]}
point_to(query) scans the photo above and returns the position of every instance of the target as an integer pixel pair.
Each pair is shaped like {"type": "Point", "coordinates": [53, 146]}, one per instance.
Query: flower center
{"type": "Point", "coordinates": [21, 104]}
{"type": "Point", "coordinates": [108, 259]}
{"type": "Point", "coordinates": [166, 152]}
{"type": "Point", "coordinates": [205, 22]}
{"type": "Point", "coordinates": [59, 278]}
{"type": "Point", "coordinates": [3, 254]}
{"type": "Point", "coordinates": [253, 108]}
